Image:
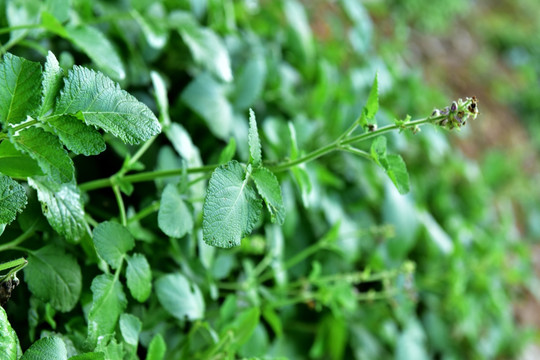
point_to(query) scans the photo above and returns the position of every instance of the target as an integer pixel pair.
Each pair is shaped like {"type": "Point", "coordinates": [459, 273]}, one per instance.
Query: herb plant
{"type": "Point", "coordinates": [203, 215]}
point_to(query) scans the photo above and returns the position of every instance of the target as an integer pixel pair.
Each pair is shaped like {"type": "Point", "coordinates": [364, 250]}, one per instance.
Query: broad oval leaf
{"type": "Point", "coordinates": [157, 348]}
{"type": "Point", "coordinates": [48, 348]}
{"type": "Point", "coordinates": [98, 48]}
{"type": "Point", "coordinates": [130, 327]}
{"type": "Point", "coordinates": [77, 136]}
{"type": "Point", "coordinates": [16, 163]}
{"type": "Point", "coordinates": [12, 199]}
{"type": "Point", "coordinates": [255, 156]}
{"type": "Point", "coordinates": [45, 148]}
{"type": "Point", "coordinates": [8, 338]}
{"type": "Point", "coordinates": [54, 277]}
{"type": "Point", "coordinates": [250, 83]}
{"type": "Point", "coordinates": [108, 302]}
{"type": "Point", "coordinates": [139, 277]}
{"type": "Point", "coordinates": [61, 204]}
{"type": "Point", "coordinates": [180, 298]}
{"type": "Point", "coordinates": [231, 207]}
{"type": "Point", "coordinates": [112, 242]}
{"type": "Point", "coordinates": [20, 80]}
{"type": "Point", "coordinates": [100, 102]}
{"type": "Point", "coordinates": [174, 217]}
{"type": "Point", "coordinates": [89, 356]}
{"type": "Point", "coordinates": [268, 187]}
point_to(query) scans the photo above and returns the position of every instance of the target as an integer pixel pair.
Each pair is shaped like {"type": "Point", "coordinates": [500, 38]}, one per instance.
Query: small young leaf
{"type": "Point", "coordinates": [208, 50]}
{"type": "Point", "coordinates": [174, 217]}
{"type": "Point", "coordinates": [255, 157]}
{"type": "Point", "coordinates": [12, 199]}
{"type": "Point", "coordinates": [108, 302]}
{"type": "Point", "coordinates": [45, 148]}
{"type": "Point", "coordinates": [397, 171]}
{"type": "Point", "coordinates": [19, 93]}
{"type": "Point", "coordinates": [48, 348]}
{"type": "Point", "coordinates": [372, 106]}
{"type": "Point", "coordinates": [61, 204]}
{"type": "Point", "coordinates": [54, 277]}
{"type": "Point", "coordinates": [98, 101]}
{"type": "Point", "coordinates": [231, 207]}
{"type": "Point", "coordinates": [160, 90]}
{"type": "Point", "coordinates": [8, 338]}
{"type": "Point", "coordinates": [98, 48]}
{"type": "Point", "coordinates": [378, 151]}
{"type": "Point", "coordinates": [52, 82]}
{"type": "Point", "coordinates": [130, 327]}
{"type": "Point", "coordinates": [77, 136]}
{"type": "Point", "coordinates": [268, 187]}
{"type": "Point", "coordinates": [139, 277]}
{"type": "Point", "coordinates": [180, 298]}
{"type": "Point", "coordinates": [157, 348]}
{"type": "Point", "coordinates": [15, 163]}
{"type": "Point", "coordinates": [112, 242]}
{"type": "Point", "coordinates": [206, 97]}
{"type": "Point", "coordinates": [227, 154]}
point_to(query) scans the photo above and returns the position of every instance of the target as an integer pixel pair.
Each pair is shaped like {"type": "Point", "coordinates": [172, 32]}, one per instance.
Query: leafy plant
{"type": "Point", "coordinates": [229, 235]}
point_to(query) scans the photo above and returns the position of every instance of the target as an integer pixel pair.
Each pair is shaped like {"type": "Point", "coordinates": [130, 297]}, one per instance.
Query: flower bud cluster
{"type": "Point", "coordinates": [457, 114]}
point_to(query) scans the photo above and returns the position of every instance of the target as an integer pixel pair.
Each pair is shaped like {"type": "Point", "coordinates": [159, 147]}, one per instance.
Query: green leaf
{"type": "Point", "coordinates": [242, 326]}
{"type": "Point", "coordinates": [48, 348]}
{"type": "Point", "coordinates": [52, 82]}
{"type": "Point", "coordinates": [12, 199]}
{"type": "Point", "coordinates": [231, 207]}
{"type": "Point", "coordinates": [397, 171]}
{"type": "Point", "coordinates": [89, 356]}
{"type": "Point", "coordinates": [100, 102]}
{"type": "Point", "coordinates": [112, 242]}
{"type": "Point", "coordinates": [255, 156]}
{"type": "Point", "coordinates": [160, 91]}
{"type": "Point", "coordinates": [208, 50]}
{"type": "Point", "coordinates": [139, 277]}
{"type": "Point", "coordinates": [174, 217]}
{"type": "Point", "coordinates": [45, 148]}
{"type": "Point", "coordinates": [20, 91]}
{"type": "Point", "coordinates": [61, 204]}
{"type": "Point", "coordinates": [372, 106]}
{"type": "Point", "coordinates": [206, 97]}
{"type": "Point", "coordinates": [157, 348]}
{"type": "Point", "coordinates": [227, 154]}
{"type": "Point", "coordinates": [393, 165]}
{"type": "Point", "coordinates": [76, 136]}
{"type": "Point", "coordinates": [8, 338]}
{"type": "Point", "coordinates": [268, 187]}
{"type": "Point", "coordinates": [15, 163]}
{"type": "Point", "coordinates": [54, 277]}
{"type": "Point", "coordinates": [98, 48]}
{"type": "Point", "coordinates": [249, 85]}
{"type": "Point", "coordinates": [108, 302]}
{"type": "Point", "coordinates": [130, 327]}
{"type": "Point", "coordinates": [180, 298]}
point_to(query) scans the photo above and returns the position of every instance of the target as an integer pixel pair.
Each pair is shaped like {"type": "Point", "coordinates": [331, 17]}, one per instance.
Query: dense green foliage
{"type": "Point", "coordinates": [242, 179]}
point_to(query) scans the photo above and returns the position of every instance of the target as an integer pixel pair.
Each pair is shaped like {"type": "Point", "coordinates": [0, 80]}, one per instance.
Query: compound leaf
{"type": "Point", "coordinates": [231, 207]}
{"type": "Point", "coordinates": [255, 156]}
{"type": "Point", "coordinates": [48, 348]}
{"type": "Point", "coordinates": [99, 101]}
{"type": "Point", "coordinates": [112, 242]}
{"type": "Point", "coordinates": [108, 302]}
{"type": "Point", "coordinates": [61, 204]}
{"type": "Point", "coordinates": [180, 298]}
{"type": "Point", "coordinates": [52, 82]}
{"type": "Point", "coordinates": [8, 338]}
{"type": "Point", "coordinates": [268, 187]}
{"type": "Point", "coordinates": [15, 163]}
{"type": "Point", "coordinates": [174, 217]}
{"type": "Point", "coordinates": [98, 48]}
{"type": "Point", "coordinates": [20, 80]}
{"type": "Point", "coordinates": [54, 277]}
{"type": "Point", "coordinates": [45, 148]}
{"type": "Point", "coordinates": [139, 277]}
{"type": "Point", "coordinates": [77, 136]}
{"type": "Point", "coordinates": [12, 199]}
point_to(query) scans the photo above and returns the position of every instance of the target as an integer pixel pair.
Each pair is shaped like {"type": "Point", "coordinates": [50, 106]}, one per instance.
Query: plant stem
{"type": "Point", "coordinates": [121, 207]}
{"type": "Point", "coordinates": [19, 239]}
